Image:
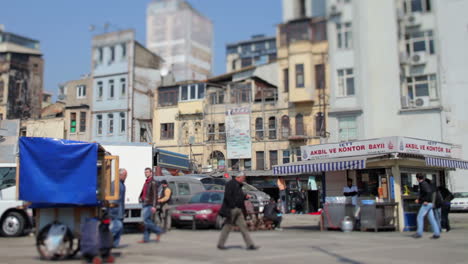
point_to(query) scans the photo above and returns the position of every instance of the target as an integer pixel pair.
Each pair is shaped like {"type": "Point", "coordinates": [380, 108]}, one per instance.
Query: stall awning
{"type": "Point", "coordinates": [323, 165]}
{"type": "Point", "coordinates": [447, 163]}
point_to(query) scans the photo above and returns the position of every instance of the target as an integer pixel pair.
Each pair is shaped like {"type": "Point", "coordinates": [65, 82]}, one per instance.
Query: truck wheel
{"type": "Point", "coordinates": [13, 224]}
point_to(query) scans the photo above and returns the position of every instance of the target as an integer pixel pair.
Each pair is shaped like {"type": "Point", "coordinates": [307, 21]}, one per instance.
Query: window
{"type": "Point", "coordinates": [100, 54]}
{"type": "Point", "coordinates": [422, 86]}
{"type": "Point", "coordinates": [411, 6]}
{"type": "Point", "coordinates": [112, 54]}
{"type": "Point", "coordinates": [259, 128]}
{"type": "Point", "coordinates": [8, 177]}
{"type": "Point", "coordinates": [192, 92]}
{"type": "Point", "coordinates": [2, 91]}
{"type": "Point", "coordinates": [1, 116]}
{"type": "Point", "coordinates": [111, 89]}
{"type": "Point", "coordinates": [82, 121]}
{"type": "Point", "coordinates": [99, 125]}
{"type": "Point", "coordinates": [123, 122]}
{"type": "Point", "coordinates": [345, 82]}
{"type": "Point", "coordinates": [247, 164]}
{"type": "Point", "coordinates": [302, 8]}
{"type": "Point", "coordinates": [260, 156]}
{"type": "Point", "coordinates": [286, 156]}
{"type": "Point", "coordinates": [167, 131]}
{"type": "Point", "coordinates": [124, 50]}
{"type": "Point", "coordinates": [245, 62]}
{"type": "Point", "coordinates": [421, 41]}
{"type": "Point", "coordinates": [73, 122]}
{"type": "Point", "coordinates": [319, 76]}
{"type": "Point", "coordinates": [286, 80]}
{"type": "Point", "coordinates": [123, 86]}
{"type": "Point", "coordinates": [347, 128]}
{"type": "Point", "coordinates": [285, 127]}
{"type": "Point", "coordinates": [298, 154]}
{"type": "Point", "coordinates": [299, 75]}
{"type": "Point", "coordinates": [320, 124]}
{"type": "Point", "coordinates": [272, 127]}
{"type": "Point", "coordinates": [81, 91]}
{"type": "Point", "coordinates": [241, 93]}
{"type": "Point", "coordinates": [273, 158]}
{"type": "Point", "coordinates": [233, 65]}
{"type": "Point", "coordinates": [344, 35]}
{"type": "Point", "coordinates": [110, 127]}
{"type": "Point", "coordinates": [211, 132]}
{"type": "Point", "coordinates": [168, 96]}
{"type": "Point", "coordinates": [299, 125]}
{"type": "Point", "coordinates": [184, 188]}
{"type": "Point", "coordinates": [234, 164]}
{"type": "Point", "coordinates": [99, 90]}
{"type": "Point", "coordinates": [222, 131]}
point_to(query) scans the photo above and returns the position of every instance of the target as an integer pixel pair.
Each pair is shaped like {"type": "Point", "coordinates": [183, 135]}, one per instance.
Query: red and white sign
{"type": "Point", "coordinates": [377, 146]}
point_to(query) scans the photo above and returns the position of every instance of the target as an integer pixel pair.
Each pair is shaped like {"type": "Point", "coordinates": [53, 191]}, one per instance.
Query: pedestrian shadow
{"type": "Point", "coordinates": [338, 257]}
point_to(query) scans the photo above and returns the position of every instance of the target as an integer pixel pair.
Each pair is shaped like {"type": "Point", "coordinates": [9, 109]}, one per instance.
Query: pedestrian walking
{"type": "Point", "coordinates": [117, 209]}
{"type": "Point", "coordinates": [149, 199]}
{"type": "Point", "coordinates": [425, 199]}
{"type": "Point", "coordinates": [447, 197]}
{"type": "Point", "coordinates": [164, 198]}
{"type": "Point", "coordinates": [233, 210]}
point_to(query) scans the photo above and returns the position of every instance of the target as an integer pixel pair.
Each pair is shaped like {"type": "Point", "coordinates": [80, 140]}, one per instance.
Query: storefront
{"type": "Point", "coordinates": [384, 171]}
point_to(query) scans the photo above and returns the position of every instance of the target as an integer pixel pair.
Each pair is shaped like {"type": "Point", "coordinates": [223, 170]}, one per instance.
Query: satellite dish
{"type": "Point", "coordinates": [164, 71]}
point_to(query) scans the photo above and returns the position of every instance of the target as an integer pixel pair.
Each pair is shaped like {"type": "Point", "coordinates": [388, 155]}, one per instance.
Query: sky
{"type": "Point", "coordinates": [62, 27]}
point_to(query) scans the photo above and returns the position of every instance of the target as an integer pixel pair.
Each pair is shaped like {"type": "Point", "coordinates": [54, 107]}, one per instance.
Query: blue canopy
{"type": "Point", "coordinates": [57, 171]}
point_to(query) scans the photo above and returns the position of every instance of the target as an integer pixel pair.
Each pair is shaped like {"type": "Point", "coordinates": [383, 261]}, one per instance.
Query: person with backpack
{"type": "Point", "coordinates": [164, 198]}
{"type": "Point", "coordinates": [447, 197]}
{"type": "Point", "coordinates": [149, 198]}
{"type": "Point", "coordinates": [425, 199]}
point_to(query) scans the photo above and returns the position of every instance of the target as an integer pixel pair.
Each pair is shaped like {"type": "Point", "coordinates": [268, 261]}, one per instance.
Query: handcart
{"type": "Point", "coordinates": [67, 183]}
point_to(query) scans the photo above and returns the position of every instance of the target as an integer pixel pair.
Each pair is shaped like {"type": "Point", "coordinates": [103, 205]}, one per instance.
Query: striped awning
{"type": "Point", "coordinates": [447, 163]}
{"type": "Point", "coordinates": [311, 166]}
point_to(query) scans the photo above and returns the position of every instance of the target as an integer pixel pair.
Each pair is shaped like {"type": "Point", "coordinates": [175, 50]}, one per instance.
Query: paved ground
{"type": "Point", "coordinates": [298, 243]}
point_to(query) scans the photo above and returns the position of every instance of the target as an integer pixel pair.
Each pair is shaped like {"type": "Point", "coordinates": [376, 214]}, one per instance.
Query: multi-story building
{"type": "Point", "coordinates": [255, 51]}
{"type": "Point", "coordinates": [21, 77]}
{"type": "Point", "coordinates": [77, 95]}
{"type": "Point", "coordinates": [125, 75]}
{"type": "Point", "coordinates": [182, 37]}
{"type": "Point", "coordinates": [396, 69]}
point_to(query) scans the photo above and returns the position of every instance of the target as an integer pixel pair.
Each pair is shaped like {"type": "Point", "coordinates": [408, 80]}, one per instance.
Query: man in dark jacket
{"type": "Point", "coordinates": [447, 196]}
{"type": "Point", "coordinates": [117, 210]}
{"type": "Point", "coordinates": [425, 199]}
{"type": "Point", "coordinates": [149, 198]}
{"type": "Point", "coordinates": [232, 209]}
{"type": "Point", "coordinates": [271, 211]}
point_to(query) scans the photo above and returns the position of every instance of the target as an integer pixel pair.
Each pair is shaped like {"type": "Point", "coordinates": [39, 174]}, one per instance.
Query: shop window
{"type": "Point", "coordinates": [272, 127]}
{"type": "Point", "coordinates": [259, 128]}
{"type": "Point", "coordinates": [299, 75]}
{"type": "Point", "coordinates": [260, 160]}
{"type": "Point", "coordinates": [299, 125]}
{"type": "Point", "coordinates": [247, 164]}
{"type": "Point", "coordinates": [367, 182]}
{"type": "Point", "coordinates": [167, 131]}
{"type": "Point", "coordinates": [286, 156]}
{"type": "Point", "coordinates": [285, 127]}
{"type": "Point", "coordinates": [82, 121]}
{"type": "Point", "coordinates": [273, 158]}
{"type": "Point", "coordinates": [73, 122]}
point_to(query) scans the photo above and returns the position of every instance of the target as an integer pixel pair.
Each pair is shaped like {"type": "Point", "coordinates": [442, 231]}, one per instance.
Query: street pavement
{"type": "Point", "coordinates": [300, 242]}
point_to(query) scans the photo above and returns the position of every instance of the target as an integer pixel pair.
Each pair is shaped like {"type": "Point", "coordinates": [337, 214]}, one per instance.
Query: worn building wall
{"type": "Point", "coordinates": [53, 127]}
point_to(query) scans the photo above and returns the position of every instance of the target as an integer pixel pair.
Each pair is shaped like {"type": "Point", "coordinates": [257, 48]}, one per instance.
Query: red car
{"type": "Point", "coordinates": [202, 208]}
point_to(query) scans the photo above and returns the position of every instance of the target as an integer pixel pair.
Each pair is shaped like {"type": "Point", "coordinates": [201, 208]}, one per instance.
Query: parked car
{"type": "Point", "coordinates": [460, 202]}
{"type": "Point", "coordinates": [202, 208]}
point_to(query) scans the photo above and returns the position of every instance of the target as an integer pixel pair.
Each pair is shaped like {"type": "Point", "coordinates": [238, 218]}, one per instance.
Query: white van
{"type": "Point", "coordinates": [14, 220]}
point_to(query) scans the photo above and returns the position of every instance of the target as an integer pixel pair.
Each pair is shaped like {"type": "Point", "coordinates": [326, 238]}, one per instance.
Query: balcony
{"type": "Point", "coordinates": [191, 107]}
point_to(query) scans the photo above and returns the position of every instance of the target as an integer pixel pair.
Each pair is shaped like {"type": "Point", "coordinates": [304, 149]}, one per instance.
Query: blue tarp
{"type": "Point", "coordinates": [57, 171]}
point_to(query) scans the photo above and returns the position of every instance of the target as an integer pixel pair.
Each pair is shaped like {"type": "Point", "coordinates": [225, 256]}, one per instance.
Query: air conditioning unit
{"type": "Point", "coordinates": [413, 20]}
{"type": "Point", "coordinates": [422, 101]}
{"type": "Point", "coordinates": [418, 58]}
{"type": "Point", "coordinates": [406, 102]}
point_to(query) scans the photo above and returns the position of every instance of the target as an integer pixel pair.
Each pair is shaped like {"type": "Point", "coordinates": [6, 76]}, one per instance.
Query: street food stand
{"type": "Point", "coordinates": [383, 169]}
{"type": "Point", "coordinates": [66, 182]}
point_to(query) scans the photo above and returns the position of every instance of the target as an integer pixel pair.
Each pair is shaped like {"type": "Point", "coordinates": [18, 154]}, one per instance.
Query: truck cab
{"type": "Point", "coordinates": [15, 220]}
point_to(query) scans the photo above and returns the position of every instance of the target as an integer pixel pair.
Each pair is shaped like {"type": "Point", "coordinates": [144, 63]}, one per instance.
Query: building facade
{"type": "Point", "coordinates": [125, 75]}
{"type": "Point", "coordinates": [182, 37]}
{"type": "Point", "coordinates": [21, 77]}
{"type": "Point", "coordinates": [256, 51]}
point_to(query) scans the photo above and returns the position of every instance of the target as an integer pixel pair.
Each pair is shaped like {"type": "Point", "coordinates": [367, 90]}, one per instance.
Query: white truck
{"type": "Point", "coordinates": [14, 219]}
{"type": "Point", "coordinates": [135, 157]}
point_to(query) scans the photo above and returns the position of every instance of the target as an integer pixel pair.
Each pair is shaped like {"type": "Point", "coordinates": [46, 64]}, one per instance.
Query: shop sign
{"type": "Point", "coordinates": [377, 146]}
{"type": "Point", "coordinates": [238, 141]}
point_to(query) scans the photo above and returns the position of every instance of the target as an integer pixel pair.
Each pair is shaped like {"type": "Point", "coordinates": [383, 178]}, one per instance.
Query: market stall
{"type": "Point", "coordinates": [384, 171]}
